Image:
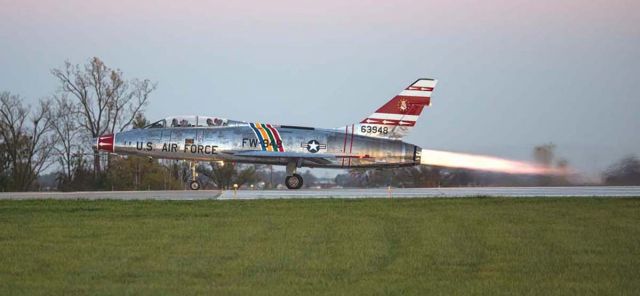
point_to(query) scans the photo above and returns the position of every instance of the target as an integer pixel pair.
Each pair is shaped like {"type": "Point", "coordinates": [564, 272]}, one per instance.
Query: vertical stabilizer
{"type": "Point", "coordinates": [395, 119]}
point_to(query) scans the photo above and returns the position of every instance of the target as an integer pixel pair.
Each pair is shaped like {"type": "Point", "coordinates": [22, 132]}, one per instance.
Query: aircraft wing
{"type": "Point", "coordinates": [320, 158]}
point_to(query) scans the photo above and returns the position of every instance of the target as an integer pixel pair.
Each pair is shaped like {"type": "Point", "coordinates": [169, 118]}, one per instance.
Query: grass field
{"type": "Point", "coordinates": [392, 247]}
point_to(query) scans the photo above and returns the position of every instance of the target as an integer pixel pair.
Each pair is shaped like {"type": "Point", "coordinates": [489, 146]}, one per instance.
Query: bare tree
{"type": "Point", "coordinates": [5, 166]}
{"type": "Point", "coordinates": [26, 137]}
{"type": "Point", "coordinates": [140, 121]}
{"type": "Point", "coordinates": [106, 101]}
{"type": "Point", "coordinates": [64, 122]}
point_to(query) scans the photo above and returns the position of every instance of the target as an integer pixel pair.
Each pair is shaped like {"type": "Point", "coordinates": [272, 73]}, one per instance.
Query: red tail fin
{"type": "Point", "coordinates": [395, 118]}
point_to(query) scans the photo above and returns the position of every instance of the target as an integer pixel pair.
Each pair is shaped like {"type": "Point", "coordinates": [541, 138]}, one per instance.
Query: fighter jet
{"type": "Point", "coordinates": [373, 142]}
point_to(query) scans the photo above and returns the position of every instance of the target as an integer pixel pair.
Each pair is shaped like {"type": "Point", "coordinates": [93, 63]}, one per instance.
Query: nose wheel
{"type": "Point", "coordinates": [194, 185]}
{"type": "Point", "coordinates": [294, 181]}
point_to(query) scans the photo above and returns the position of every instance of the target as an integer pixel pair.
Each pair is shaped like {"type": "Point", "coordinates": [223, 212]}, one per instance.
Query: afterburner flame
{"type": "Point", "coordinates": [483, 163]}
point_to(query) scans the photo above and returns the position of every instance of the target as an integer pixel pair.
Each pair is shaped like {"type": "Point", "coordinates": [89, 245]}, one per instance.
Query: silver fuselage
{"type": "Point", "coordinates": [329, 148]}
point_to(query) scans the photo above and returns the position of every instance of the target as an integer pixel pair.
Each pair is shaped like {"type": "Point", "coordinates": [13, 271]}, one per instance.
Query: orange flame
{"type": "Point", "coordinates": [484, 163]}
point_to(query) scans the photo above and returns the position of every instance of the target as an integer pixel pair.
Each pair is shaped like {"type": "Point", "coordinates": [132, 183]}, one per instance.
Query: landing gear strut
{"type": "Point", "coordinates": [293, 180]}
{"type": "Point", "coordinates": [194, 185]}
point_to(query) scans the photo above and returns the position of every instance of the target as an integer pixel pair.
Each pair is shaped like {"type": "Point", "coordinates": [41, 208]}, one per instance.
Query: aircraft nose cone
{"type": "Point", "coordinates": [104, 143]}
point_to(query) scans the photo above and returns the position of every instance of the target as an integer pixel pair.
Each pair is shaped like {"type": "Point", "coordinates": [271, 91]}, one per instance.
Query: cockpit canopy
{"type": "Point", "coordinates": [192, 121]}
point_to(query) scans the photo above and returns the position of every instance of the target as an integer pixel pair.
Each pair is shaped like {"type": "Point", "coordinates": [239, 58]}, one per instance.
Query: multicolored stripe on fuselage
{"type": "Point", "coordinates": [268, 136]}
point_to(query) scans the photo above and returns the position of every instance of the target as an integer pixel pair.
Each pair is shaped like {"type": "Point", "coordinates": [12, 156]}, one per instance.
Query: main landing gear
{"type": "Point", "coordinates": [293, 180]}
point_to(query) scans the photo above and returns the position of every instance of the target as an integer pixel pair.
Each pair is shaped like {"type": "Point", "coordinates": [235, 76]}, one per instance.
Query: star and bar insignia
{"type": "Point", "coordinates": [313, 146]}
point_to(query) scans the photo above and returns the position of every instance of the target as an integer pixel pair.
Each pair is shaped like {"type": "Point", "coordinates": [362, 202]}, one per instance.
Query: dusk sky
{"type": "Point", "coordinates": [512, 74]}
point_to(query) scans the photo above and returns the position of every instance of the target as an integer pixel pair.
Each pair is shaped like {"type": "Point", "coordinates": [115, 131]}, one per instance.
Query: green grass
{"type": "Point", "coordinates": [391, 247]}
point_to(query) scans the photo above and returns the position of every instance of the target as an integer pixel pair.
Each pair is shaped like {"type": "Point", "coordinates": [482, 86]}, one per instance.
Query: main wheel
{"type": "Point", "coordinates": [194, 185]}
{"type": "Point", "coordinates": [293, 182]}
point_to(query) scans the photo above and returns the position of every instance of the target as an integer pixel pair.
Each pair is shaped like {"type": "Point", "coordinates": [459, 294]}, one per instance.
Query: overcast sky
{"type": "Point", "coordinates": [512, 74]}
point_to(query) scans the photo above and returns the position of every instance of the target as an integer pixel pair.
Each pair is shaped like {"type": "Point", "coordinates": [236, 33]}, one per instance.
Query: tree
{"type": "Point", "coordinates": [363, 177]}
{"type": "Point", "coordinates": [624, 172]}
{"type": "Point", "coordinates": [26, 139]}
{"type": "Point", "coordinates": [69, 151]}
{"type": "Point", "coordinates": [544, 154]}
{"type": "Point", "coordinates": [5, 166]}
{"type": "Point", "coordinates": [140, 173]}
{"type": "Point", "coordinates": [106, 101]}
{"type": "Point", "coordinates": [81, 175]}
{"type": "Point", "coordinates": [225, 175]}
{"type": "Point", "coordinates": [140, 121]}
{"type": "Point", "coordinates": [418, 176]}
{"type": "Point", "coordinates": [309, 179]}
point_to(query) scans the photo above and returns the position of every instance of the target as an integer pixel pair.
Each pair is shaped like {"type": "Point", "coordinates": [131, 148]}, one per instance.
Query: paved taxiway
{"type": "Point", "coordinates": [627, 191]}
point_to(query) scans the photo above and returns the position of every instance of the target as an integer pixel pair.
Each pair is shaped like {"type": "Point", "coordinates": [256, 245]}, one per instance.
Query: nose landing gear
{"type": "Point", "coordinates": [194, 184]}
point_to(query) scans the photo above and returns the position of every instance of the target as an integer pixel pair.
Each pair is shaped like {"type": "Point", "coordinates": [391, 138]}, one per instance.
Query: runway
{"type": "Point", "coordinates": [590, 191]}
